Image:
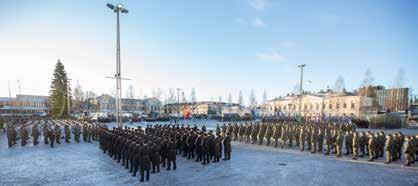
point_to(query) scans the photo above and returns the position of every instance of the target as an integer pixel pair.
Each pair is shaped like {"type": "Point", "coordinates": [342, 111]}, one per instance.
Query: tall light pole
{"type": "Point", "coordinates": [118, 9]}
{"type": "Point", "coordinates": [301, 87]}
{"type": "Point", "coordinates": [178, 102]}
{"type": "Point", "coordinates": [68, 97]}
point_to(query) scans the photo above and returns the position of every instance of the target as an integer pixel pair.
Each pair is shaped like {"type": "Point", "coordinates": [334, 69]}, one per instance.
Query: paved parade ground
{"type": "Point", "coordinates": [85, 164]}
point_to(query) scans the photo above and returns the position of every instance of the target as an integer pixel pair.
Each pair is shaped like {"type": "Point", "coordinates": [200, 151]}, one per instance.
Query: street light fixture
{"type": "Point", "coordinates": [301, 87]}
{"type": "Point", "coordinates": [118, 9]}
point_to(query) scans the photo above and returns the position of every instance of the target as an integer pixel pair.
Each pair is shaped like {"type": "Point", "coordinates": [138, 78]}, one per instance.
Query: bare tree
{"type": "Point", "coordinates": [153, 93]}
{"type": "Point", "coordinates": [183, 97]}
{"type": "Point", "coordinates": [171, 96]}
{"type": "Point", "coordinates": [399, 79]}
{"type": "Point", "coordinates": [296, 89]}
{"type": "Point", "coordinates": [253, 99]}
{"type": "Point", "coordinates": [240, 98]}
{"type": "Point", "coordinates": [220, 98]}
{"type": "Point", "coordinates": [78, 93]}
{"type": "Point", "coordinates": [230, 98]}
{"type": "Point", "coordinates": [193, 95]}
{"type": "Point", "coordinates": [339, 85]}
{"type": "Point", "coordinates": [130, 93]}
{"type": "Point", "coordinates": [90, 94]}
{"type": "Point", "coordinates": [368, 78]}
{"type": "Point", "coordinates": [159, 93]}
{"type": "Point", "coordinates": [265, 96]}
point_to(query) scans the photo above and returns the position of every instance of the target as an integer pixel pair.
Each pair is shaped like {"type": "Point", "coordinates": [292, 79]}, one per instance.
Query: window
{"type": "Point", "coordinates": [306, 106]}
{"type": "Point", "coordinates": [317, 106]}
{"type": "Point", "coordinates": [311, 107]}
{"type": "Point", "coordinates": [353, 105]}
{"type": "Point", "coordinates": [284, 108]}
{"type": "Point", "coordinates": [338, 106]}
{"type": "Point", "coordinates": [330, 106]}
{"type": "Point", "coordinates": [345, 105]}
{"type": "Point", "coordinates": [323, 106]}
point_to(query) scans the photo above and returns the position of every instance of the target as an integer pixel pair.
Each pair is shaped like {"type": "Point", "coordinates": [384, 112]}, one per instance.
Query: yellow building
{"type": "Point", "coordinates": [328, 104]}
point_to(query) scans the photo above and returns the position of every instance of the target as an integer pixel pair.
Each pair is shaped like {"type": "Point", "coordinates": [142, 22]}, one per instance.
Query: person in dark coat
{"type": "Point", "coordinates": [171, 154]}
{"type": "Point", "coordinates": [145, 161]}
{"type": "Point", "coordinates": [227, 147]}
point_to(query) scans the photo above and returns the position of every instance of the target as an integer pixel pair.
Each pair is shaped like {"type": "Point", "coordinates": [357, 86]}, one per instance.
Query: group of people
{"type": "Point", "coordinates": [158, 145]}
{"type": "Point", "coordinates": [327, 138]}
{"type": "Point", "coordinates": [52, 132]}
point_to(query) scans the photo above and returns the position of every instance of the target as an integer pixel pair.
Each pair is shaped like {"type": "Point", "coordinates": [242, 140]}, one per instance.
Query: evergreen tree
{"type": "Point", "coordinates": [60, 95]}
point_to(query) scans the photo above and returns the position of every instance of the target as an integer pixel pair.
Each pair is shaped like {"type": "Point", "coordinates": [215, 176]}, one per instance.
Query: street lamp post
{"type": "Point", "coordinates": [118, 9]}
{"type": "Point", "coordinates": [301, 88]}
{"type": "Point", "coordinates": [68, 98]}
{"type": "Point", "coordinates": [178, 102]}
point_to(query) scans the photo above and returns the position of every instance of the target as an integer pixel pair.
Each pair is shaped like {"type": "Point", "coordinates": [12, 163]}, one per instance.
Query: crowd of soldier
{"type": "Point", "coordinates": [327, 138]}
{"type": "Point", "coordinates": [52, 132]}
{"type": "Point", "coordinates": [143, 150]}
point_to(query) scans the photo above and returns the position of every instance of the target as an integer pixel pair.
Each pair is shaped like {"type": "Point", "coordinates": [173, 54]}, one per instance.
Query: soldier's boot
{"type": "Point", "coordinates": [407, 161]}
{"type": "Point", "coordinates": [153, 168]}
{"type": "Point", "coordinates": [142, 176]}
{"type": "Point", "coordinates": [326, 152]}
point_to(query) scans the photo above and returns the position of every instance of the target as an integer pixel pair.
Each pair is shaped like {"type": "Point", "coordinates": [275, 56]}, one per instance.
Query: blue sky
{"type": "Point", "coordinates": [218, 46]}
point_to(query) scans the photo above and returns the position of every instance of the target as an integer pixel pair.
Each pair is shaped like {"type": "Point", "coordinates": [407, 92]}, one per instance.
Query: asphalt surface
{"type": "Point", "coordinates": [85, 164]}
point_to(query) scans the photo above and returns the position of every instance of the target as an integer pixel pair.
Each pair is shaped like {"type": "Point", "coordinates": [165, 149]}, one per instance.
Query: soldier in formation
{"type": "Point", "coordinates": [51, 131]}
{"type": "Point", "coordinates": [145, 150]}
{"type": "Point", "coordinates": [336, 138]}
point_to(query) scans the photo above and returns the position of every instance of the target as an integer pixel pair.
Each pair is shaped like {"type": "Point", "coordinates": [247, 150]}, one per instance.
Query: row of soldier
{"type": "Point", "coordinates": [52, 131]}
{"type": "Point", "coordinates": [143, 150]}
{"type": "Point", "coordinates": [330, 138]}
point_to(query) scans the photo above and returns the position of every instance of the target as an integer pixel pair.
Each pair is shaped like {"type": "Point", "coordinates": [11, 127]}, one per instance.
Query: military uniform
{"type": "Point", "coordinates": [146, 162]}
{"type": "Point", "coordinates": [58, 134]}
{"type": "Point", "coordinates": [24, 135]}
{"type": "Point", "coordinates": [51, 135]}
{"type": "Point", "coordinates": [389, 149]}
{"type": "Point", "coordinates": [372, 147]}
{"type": "Point", "coordinates": [356, 145]}
{"type": "Point", "coordinates": [171, 155]}
{"type": "Point", "coordinates": [227, 147]}
{"type": "Point", "coordinates": [67, 133]}
{"type": "Point", "coordinates": [45, 133]}
{"type": "Point", "coordinates": [35, 134]}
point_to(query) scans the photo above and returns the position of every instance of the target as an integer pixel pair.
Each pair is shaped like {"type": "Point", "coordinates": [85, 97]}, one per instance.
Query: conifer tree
{"type": "Point", "coordinates": [59, 92]}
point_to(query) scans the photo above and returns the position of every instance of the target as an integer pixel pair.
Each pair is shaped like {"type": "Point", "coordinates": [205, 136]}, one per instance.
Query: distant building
{"type": "Point", "coordinates": [107, 103]}
{"type": "Point", "coordinates": [383, 100]}
{"type": "Point", "coordinates": [24, 105]}
{"type": "Point", "coordinates": [328, 104]}
{"type": "Point", "coordinates": [204, 108]}
{"type": "Point", "coordinates": [393, 100]}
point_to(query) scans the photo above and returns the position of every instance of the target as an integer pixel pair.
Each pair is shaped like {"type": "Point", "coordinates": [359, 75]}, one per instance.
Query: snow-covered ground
{"type": "Point", "coordinates": [85, 164]}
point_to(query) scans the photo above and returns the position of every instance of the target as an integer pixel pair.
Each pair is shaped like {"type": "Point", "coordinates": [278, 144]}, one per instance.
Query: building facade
{"type": "Point", "coordinates": [24, 105]}
{"type": "Point", "coordinates": [204, 108]}
{"type": "Point", "coordinates": [320, 105]}
{"type": "Point", "coordinates": [393, 100]}
{"type": "Point", "coordinates": [106, 103]}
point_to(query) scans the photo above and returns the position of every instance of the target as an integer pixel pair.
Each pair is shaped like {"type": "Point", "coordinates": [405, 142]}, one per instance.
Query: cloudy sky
{"type": "Point", "coordinates": [218, 46]}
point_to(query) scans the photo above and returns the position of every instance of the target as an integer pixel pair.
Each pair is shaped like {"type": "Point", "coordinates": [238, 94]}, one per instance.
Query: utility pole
{"type": "Point", "coordinates": [301, 88]}
{"type": "Point", "coordinates": [118, 9]}
{"type": "Point", "coordinates": [178, 102]}
{"type": "Point", "coordinates": [68, 98]}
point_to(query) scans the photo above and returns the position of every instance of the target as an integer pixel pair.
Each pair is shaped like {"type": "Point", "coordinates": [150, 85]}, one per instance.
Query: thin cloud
{"type": "Point", "coordinates": [252, 21]}
{"type": "Point", "coordinates": [257, 22]}
{"type": "Point", "coordinates": [272, 56]}
{"type": "Point", "coordinates": [258, 5]}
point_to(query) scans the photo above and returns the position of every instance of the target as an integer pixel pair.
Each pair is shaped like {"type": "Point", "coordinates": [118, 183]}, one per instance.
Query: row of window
{"type": "Point", "coordinates": [330, 106]}
{"type": "Point", "coordinates": [24, 103]}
